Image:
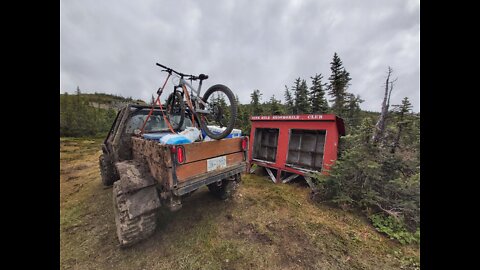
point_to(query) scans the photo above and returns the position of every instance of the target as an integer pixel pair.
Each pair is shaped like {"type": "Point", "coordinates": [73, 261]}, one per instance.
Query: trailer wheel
{"type": "Point", "coordinates": [131, 231]}
{"type": "Point", "coordinates": [225, 188]}
{"type": "Point", "coordinates": [107, 170]}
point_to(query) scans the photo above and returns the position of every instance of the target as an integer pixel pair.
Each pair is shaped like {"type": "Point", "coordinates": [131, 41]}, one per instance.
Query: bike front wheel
{"type": "Point", "coordinates": [175, 110]}
{"type": "Point", "coordinates": [222, 111]}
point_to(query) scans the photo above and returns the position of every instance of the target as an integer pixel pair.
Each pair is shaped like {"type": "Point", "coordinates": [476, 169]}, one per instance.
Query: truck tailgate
{"type": "Point", "coordinates": [203, 162]}
{"type": "Point", "coordinates": [208, 158]}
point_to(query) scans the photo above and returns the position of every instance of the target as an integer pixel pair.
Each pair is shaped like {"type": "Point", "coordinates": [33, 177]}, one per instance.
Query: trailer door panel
{"type": "Point", "coordinates": [265, 144]}
{"type": "Point", "coordinates": [306, 148]}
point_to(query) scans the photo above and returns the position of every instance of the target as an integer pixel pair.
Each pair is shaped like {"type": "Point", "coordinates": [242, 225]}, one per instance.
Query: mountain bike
{"type": "Point", "coordinates": [213, 109]}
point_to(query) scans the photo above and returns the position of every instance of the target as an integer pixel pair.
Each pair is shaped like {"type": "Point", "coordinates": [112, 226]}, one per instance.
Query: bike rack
{"type": "Point", "coordinates": [159, 93]}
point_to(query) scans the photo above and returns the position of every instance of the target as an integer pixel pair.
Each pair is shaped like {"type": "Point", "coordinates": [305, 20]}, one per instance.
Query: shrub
{"type": "Point", "coordinates": [394, 228]}
{"type": "Point", "coordinates": [383, 184]}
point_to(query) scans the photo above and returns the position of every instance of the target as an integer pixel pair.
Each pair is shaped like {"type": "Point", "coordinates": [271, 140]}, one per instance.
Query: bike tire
{"type": "Point", "coordinates": [175, 107]}
{"type": "Point", "coordinates": [233, 112]}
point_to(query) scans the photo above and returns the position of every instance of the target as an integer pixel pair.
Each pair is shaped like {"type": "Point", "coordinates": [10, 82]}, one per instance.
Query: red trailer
{"type": "Point", "coordinates": [294, 145]}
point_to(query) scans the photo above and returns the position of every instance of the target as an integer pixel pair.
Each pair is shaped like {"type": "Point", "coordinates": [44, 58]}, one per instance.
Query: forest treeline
{"type": "Point", "coordinates": [89, 114]}
{"type": "Point", "coordinates": [312, 95]}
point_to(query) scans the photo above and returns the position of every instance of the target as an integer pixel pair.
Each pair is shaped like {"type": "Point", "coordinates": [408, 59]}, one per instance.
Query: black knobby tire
{"type": "Point", "coordinates": [107, 171]}
{"type": "Point", "coordinates": [233, 112]}
{"type": "Point", "coordinates": [175, 108]}
{"type": "Point", "coordinates": [131, 231]}
{"type": "Point", "coordinates": [225, 189]}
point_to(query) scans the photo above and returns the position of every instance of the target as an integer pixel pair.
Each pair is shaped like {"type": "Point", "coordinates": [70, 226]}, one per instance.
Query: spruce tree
{"type": "Point", "coordinates": [222, 104]}
{"type": "Point", "coordinates": [78, 125]}
{"type": "Point", "coordinates": [317, 99]}
{"type": "Point", "coordinates": [337, 88]}
{"type": "Point", "coordinates": [255, 107]}
{"type": "Point", "coordinates": [295, 90]}
{"type": "Point", "coordinates": [66, 114]}
{"type": "Point", "coordinates": [245, 116]}
{"type": "Point", "coordinates": [77, 100]}
{"type": "Point", "coordinates": [274, 106]}
{"type": "Point", "coordinates": [302, 99]}
{"type": "Point", "coordinates": [352, 113]}
{"type": "Point", "coordinates": [401, 111]}
{"type": "Point", "coordinates": [289, 102]}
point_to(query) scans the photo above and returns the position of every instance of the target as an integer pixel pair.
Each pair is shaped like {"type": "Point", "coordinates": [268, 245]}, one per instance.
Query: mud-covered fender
{"type": "Point", "coordinates": [139, 188]}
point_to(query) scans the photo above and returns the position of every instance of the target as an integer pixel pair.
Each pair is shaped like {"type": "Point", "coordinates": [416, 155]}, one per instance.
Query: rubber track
{"type": "Point", "coordinates": [131, 231]}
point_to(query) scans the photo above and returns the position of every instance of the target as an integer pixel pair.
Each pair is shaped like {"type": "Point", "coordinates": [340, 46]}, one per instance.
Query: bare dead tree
{"type": "Point", "coordinates": [381, 123]}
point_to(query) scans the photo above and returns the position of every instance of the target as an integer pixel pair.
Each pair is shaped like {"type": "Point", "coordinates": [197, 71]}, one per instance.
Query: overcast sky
{"type": "Point", "coordinates": [112, 46]}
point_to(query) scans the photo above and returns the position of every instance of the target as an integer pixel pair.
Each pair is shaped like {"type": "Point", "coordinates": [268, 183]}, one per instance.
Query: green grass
{"type": "Point", "coordinates": [264, 226]}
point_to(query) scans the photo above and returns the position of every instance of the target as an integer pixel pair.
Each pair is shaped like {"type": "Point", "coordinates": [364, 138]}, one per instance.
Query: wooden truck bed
{"type": "Point", "coordinates": [204, 162]}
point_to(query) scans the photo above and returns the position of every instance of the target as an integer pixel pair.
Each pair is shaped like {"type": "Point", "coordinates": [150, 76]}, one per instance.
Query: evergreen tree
{"type": "Point", "coordinates": [245, 122]}
{"type": "Point", "coordinates": [339, 81]}
{"type": "Point", "coordinates": [222, 103]}
{"type": "Point", "coordinates": [274, 106]}
{"type": "Point", "coordinates": [255, 107]}
{"type": "Point", "coordinates": [66, 115]}
{"type": "Point", "coordinates": [243, 117]}
{"type": "Point", "coordinates": [289, 102]}
{"type": "Point", "coordinates": [295, 90]}
{"type": "Point", "coordinates": [385, 185]}
{"type": "Point", "coordinates": [300, 90]}
{"type": "Point", "coordinates": [303, 106]}
{"type": "Point", "coordinates": [352, 114]}
{"type": "Point", "coordinates": [78, 125]}
{"type": "Point", "coordinates": [77, 93]}
{"type": "Point", "coordinates": [239, 121]}
{"type": "Point", "coordinates": [317, 99]}
{"type": "Point", "coordinates": [402, 122]}
{"type": "Point", "coordinates": [220, 100]}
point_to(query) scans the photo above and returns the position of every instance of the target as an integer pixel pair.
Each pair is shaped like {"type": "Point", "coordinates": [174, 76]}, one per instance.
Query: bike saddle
{"type": "Point", "coordinates": [203, 77]}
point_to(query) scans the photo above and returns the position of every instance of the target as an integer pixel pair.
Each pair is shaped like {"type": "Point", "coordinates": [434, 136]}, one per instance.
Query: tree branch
{"type": "Point", "coordinates": [391, 212]}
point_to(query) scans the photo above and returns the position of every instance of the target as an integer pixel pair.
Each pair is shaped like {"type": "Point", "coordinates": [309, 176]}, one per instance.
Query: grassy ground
{"type": "Point", "coordinates": [265, 226]}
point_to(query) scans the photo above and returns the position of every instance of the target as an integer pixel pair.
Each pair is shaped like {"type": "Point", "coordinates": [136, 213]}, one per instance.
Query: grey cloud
{"type": "Point", "coordinates": [112, 46]}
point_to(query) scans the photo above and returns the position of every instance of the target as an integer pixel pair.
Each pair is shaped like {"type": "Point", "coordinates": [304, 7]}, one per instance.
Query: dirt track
{"type": "Point", "coordinates": [265, 226]}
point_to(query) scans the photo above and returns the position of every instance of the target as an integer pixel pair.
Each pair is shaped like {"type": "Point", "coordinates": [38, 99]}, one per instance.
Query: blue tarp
{"type": "Point", "coordinates": [155, 136]}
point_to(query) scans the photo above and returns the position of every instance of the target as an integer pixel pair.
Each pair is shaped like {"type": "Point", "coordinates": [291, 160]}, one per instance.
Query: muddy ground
{"type": "Point", "coordinates": [264, 226]}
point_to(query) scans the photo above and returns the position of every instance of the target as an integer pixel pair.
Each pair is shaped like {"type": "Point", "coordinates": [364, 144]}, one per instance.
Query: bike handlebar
{"type": "Point", "coordinates": [192, 77]}
{"type": "Point", "coordinates": [172, 70]}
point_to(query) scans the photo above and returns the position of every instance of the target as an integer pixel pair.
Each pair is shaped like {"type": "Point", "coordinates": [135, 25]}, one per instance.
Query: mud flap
{"type": "Point", "coordinates": [133, 176]}
{"type": "Point", "coordinates": [138, 187]}
{"type": "Point", "coordinates": [142, 201]}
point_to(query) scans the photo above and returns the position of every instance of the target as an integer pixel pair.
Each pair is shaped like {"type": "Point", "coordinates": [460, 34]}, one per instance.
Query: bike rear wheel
{"type": "Point", "coordinates": [222, 111]}
{"type": "Point", "coordinates": [175, 110]}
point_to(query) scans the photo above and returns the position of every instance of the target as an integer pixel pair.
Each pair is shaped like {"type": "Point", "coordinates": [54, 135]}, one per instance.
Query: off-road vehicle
{"type": "Point", "coordinates": [147, 174]}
